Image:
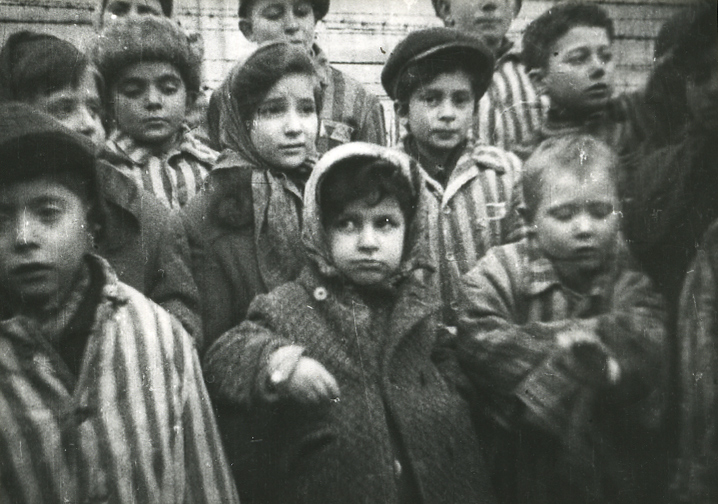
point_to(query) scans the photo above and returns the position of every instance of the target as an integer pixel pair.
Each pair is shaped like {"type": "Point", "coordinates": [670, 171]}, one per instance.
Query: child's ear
{"type": "Point", "coordinates": [245, 26]}
{"type": "Point", "coordinates": [538, 79]}
{"type": "Point", "coordinates": [401, 110]}
{"type": "Point", "coordinates": [443, 10]}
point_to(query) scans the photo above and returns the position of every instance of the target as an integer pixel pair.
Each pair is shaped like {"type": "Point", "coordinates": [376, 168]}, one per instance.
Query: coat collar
{"type": "Point", "coordinates": [124, 147]}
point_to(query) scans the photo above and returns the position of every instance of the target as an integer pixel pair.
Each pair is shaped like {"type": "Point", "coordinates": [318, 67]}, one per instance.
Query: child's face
{"type": "Point", "coordinates": [288, 20]}
{"type": "Point", "coordinates": [120, 8]}
{"type": "Point", "coordinates": [78, 108]}
{"type": "Point", "coordinates": [43, 238]}
{"type": "Point", "coordinates": [150, 102]}
{"type": "Point", "coordinates": [576, 223]}
{"type": "Point", "coordinates": [441, 112]}
{"type": "Point", "coordinates": [702, 93]}
{"type": "Point", "coordinates": [285, 126]}
{"type": "Point", "coordinates": [367, 242]}
{"type": "Point", "coordinates": [579, 74]}
{"type": "Point", "coordinates": [487, 19]}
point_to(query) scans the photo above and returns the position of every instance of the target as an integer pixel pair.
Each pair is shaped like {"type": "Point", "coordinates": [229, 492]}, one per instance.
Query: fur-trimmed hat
{"type": "Point", "coordinates": [135, 39]}
{"type": "Point", "coordinates": [320, 7]}
{"type": "Point", "coordinates": [441, 44]}
{"type": "Point", "coordinates": [33, 144]}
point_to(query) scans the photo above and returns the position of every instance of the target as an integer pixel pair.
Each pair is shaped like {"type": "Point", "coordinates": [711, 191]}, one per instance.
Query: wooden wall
{"type": "Point", "coordinates": [357, 34]}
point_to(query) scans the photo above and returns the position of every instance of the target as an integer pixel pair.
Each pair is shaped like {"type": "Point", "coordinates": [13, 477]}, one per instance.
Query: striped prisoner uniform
{"type": "Point", "coordinates": [513, 306]}
{"type": "Point", "coordinates": [467, 218]}
{"type": "Point", "coordinates": [133, 425]}
{"type": "Point", "coordinates": [349, 112]}
{"type": "Point", "coordinates": [511, 110]}
{"type": "Point", "coordinates": [173, 178]}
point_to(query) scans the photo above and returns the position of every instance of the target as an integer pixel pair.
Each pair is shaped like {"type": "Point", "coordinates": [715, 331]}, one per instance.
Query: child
{"type": "Point", "coordinates": [152, 74]}
{"type": "Point", "coordinates": [244, 228]}
{"type": "Point", "coordinates": [511, 111]}
{"type": "Point", "coordinates": [340, 372]}
{"type": "Point", "coordinates": [436, 78]}
{"type": "Point", "coordinates": [53, 76]}
{"type": "Point", "coordinates": [111, 10]}
{"type": "Point", "coordinates": [350, 113]}
{"type": "Point", "coordinates": [102, 393]}
{"type": "Point", "coordinates": [568, 56]}
{"type": "Point", "coordinates": [563, 340]}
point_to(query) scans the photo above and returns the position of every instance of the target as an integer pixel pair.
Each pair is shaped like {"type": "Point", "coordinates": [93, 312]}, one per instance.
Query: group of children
{"type": "Point", "coordinates": [283, 309]}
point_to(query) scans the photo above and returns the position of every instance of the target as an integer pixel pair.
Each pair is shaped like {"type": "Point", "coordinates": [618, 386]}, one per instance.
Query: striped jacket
{"type": "Point", "coordinates": [136, 425]}
{"type": "Point", "coordinates": [513, 307]}
{"type": "Point", "coordinates": [466, 219]}
{"type": "Point", "coordinates": [173, 178]}
{"type": "Point", "coordinates": [349, 113]}
{"type": "Point", "coordinates": [696, 480]}
{"type": "Point", "coordinates": [511, 110]}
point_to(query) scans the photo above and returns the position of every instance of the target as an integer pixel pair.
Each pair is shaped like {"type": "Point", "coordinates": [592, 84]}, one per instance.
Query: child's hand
{"type": "Point", "coordinates": [587, 357]}
{"type": "Point", "coordinates": [311, 383]}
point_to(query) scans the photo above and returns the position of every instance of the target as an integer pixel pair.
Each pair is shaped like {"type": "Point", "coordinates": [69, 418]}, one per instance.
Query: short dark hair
{"type": "Point", "coordinates": [544, 31]}
{"type": "Point", "coordinates": [425, 71]}
{"type": "Point", "coordinates": [36, 64]}
{"type": "Point", "coordinates": [263, 69]}
{"type": "Point", "coordinates": [364, 178]}
{"type": "Point", "coordinates": [576, 153]}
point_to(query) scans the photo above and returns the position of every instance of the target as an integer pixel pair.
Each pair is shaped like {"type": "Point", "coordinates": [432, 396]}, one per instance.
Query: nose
{"type": "Point", "coordinates": [26, 231]}
{"type": "Point", "coordinates": [584, 225]}
{"type": "Point", "coordinates": [88, 123]}
{"type": "Point", "coordinates": [291, 25]}
{"type": "Point", "coordinates": [598, 67]}
{"type": "Point", "coordinates": [368, 239]}
{"type": "Point", "coordinates": [292, 125]}
{"type": "Point", "coordinates": [447, 111]}
{"type": "Point", "coordinates": [154, 97]}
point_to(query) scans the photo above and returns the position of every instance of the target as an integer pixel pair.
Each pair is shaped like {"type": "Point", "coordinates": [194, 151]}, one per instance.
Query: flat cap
{"type": "Point", "coordinates": [320, 7]}
{"type": "Point", "coordinates": [33, 144]}
{"type": "Point", "coordinates": [440, 43]}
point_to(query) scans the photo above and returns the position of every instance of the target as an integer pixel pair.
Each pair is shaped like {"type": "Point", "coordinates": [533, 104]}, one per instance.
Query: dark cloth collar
{"type": "Point", "coordinates": [439, 174]}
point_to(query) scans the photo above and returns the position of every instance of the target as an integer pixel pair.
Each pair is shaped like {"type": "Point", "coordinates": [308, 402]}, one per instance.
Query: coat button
{"type": "Point", "coordinates": [397, 468]}
{"type": "Point", "coordinates": [320, 294]}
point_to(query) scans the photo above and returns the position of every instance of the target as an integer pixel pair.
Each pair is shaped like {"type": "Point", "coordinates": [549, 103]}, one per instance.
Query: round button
{"type": "Point", "coordinates": [320, 294]}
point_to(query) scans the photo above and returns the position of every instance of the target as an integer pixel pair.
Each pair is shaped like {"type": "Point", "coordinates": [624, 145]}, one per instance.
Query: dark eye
{"type": "Point", "coordinates": [563, 214]}
{"type": "Point", "coordinates": [431, 99]}
{"type": "Point", "coordinates": [49, 213]}
{"type": "Point", "coordinates": [606, 56]}
{"type": "Point", "coordinates": [303, 10]}
{"type": "Point", "coordinates": [462, 99]}
{"type": "Point", "coordinates": [119, 9]}
{"type": "Point", "coordinates": [577, 58]}
{"type": "Point", "coordinates": [307, 107]}
{"type": "Point", "coordinates": [273, 12]}
{"type": "Point", "coordinates": [600, 210]}
{"type": "Point", "coordinates": [272, 109]}
{"type": "Point", "coordinates": [131, 89]}
{"type": "Point", "coordinates": [147, 10]}
{"type": "Point", "coordinates": [63, 109]}
{"type": "Point", "coordinates": [345, 225]}
{"type": "Point", "coordinates": [169, 87]}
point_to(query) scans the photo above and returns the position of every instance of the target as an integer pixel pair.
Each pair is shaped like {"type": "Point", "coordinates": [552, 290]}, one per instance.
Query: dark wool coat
{"type": "Point", "coordinates": [142, 243]}
{"type": "Point", "coordinates": [400, 428]}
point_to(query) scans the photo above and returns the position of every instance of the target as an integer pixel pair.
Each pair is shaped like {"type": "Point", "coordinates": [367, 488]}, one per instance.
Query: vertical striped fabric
{"type": "Point", "coordinates": [135, 426]}
{"type": "Point", "coordinates": [511, 111]}
{"type": "Point", "coordinates": [349, 112]}
{"type": "Point", "coordinates": [468, 218]}
{"type": "Point", "coordinates": [696, 479]}
{"type": "Point", "coordinates": [173, 178]}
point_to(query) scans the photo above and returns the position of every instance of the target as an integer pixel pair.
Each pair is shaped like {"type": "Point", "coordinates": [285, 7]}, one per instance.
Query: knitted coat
{"type": "Point", "coordinates": [399, 426]}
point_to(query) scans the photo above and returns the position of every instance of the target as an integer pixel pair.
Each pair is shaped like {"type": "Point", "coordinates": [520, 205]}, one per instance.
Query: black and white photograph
{"type": "Point", "coordinates": [359, 251]}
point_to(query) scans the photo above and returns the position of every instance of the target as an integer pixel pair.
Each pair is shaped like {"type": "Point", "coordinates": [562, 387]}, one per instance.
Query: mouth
{"type": "Point", "coordinates": [292, 148]}
{"type": "Point", "coordinates": [368, 264]}
{"type": "Point", "coordinates": [446, 134]}
{"type": "Point", "coordinates": [586, 254]}
{"type": "Point", "coordinates": [30, 271]}
{"type": "Point", "coordinates": [598, 89]}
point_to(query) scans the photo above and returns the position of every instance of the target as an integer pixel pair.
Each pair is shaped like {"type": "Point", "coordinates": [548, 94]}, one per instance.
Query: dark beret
{"type": "Point", "coordinates": [321, 7]}
{"type": "Point", "coordinates": [444, 43]}
{"type": "Point", "coordinates": [33, 144]}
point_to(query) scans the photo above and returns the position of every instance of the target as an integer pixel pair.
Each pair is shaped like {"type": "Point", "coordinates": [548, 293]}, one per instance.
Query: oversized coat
{"type": "Point", "coordinates": [399, 428]}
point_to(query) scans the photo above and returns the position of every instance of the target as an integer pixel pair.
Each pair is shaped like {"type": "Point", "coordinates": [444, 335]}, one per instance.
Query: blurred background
{"type": "Point", "coordinates": [356, 34]}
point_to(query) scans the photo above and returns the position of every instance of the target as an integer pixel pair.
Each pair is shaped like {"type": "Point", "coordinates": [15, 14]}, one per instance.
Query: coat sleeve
{"type": "Point", "coordinates": [695, 479]}
{"type": "Point", "coordinates": [207, 473]}
{"type": "Point", "coordinates": [236, 364]}
{"type": "Point", "coordinates": [497, 348]}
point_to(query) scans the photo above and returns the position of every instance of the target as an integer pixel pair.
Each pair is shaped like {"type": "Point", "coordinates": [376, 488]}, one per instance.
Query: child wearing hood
{"type": "Point", "coordinates": [342, 373]}
{"type": "Point", "coordinates": [244, 227]}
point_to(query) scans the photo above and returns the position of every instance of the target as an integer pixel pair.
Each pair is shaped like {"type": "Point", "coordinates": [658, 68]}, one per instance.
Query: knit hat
{"type": "Point", "coordinates": [444, 44]}
{"type": "Point", "coordinates": [437, 5]}
{"type": "Point", "coordinates": [135, 39]}
{"type": "Point", "coordinates": [320, 7]}
{"type": "Point", "coordinates": [165, 4]}
{"type": "Point", "coordinates": [33, 143]}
